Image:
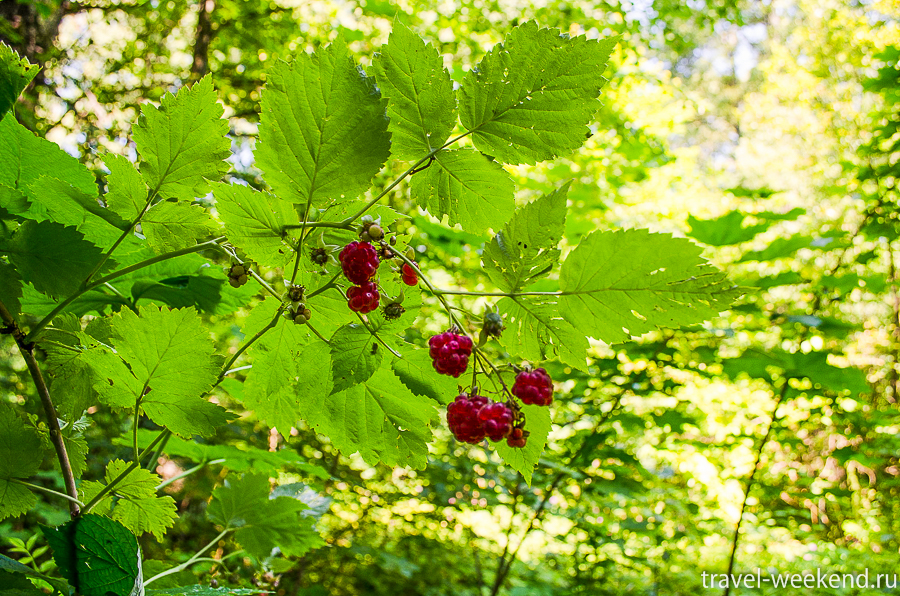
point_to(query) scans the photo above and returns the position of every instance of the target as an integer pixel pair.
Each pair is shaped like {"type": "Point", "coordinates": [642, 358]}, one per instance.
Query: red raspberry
{"type": "Point", "coordinates": [534, 388]}
{"type": "Point", "coordinates": [363, 298]}
{"type": "Point", "coordinates": [450, 353]}
{"type": "Point", "coordinates": [517, 438]}
{"type": "Point", "coordinates": [409, 275]}
{"type": "Point", "coordinates": [497, 420]}
{"type": "Point", "coordinates": [462, 418]}
{"type": "Point", "coordinates": [359, 260]}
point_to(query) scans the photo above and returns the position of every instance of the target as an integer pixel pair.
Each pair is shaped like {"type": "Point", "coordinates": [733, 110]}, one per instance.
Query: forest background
{"type": "Point", "coordinates": [766, 131]}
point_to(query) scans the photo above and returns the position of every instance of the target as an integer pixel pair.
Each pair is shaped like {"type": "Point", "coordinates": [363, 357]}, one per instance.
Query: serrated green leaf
{"type": "Point", "coordinates": [254, 221]}
{"type": "Point", "coordinates": [725, 230]}
{"type": "Point", "coordinates": [468, 187]}
{"type": "Point", "coordinates": [127, 191]}
{"type": "Point", "coordinates": [183, 142]}
{"type": "Point", "coordinates": [524, 459]}
{"type": "Point", "coordinates": [15, 499]}
{"type": "Point", "coordinates": [55, 258]}
{"type": "Point", "coordinates": [330, 312]}
{"type": "Point", "coordinates": [171, 226]}
{"type": "Point", "coordinates": [15, 74]}
{"type": "Point", "coordinates": [10, 288]}
{"type": "Point", "coordinates": [621, 284]}
{"type": "Point", "coordinates": [171, 355]}
{"type": "Point", "coordinates": [379, 418]}
{"type": "Point", "coordinates": [322, 133]}
{"type": "Point", "coordinates": [525, 249]}
{"type": "Point", "coordinates": [97, 556]}
{"type": "Point", "coordinates": [416, 371]}
{"type": "Point", "coordinates": [536, 331]}
{"type": "Point", "coordinates": [354, 359]}
{"type": "Point", "coordinates": [263, 521]}
{"type": "Point", "coordinates": [531, 98]}
{"type": "Point", "coordinates": [25, 157]}
{"type": "Point", "coordinates": [421, 99]}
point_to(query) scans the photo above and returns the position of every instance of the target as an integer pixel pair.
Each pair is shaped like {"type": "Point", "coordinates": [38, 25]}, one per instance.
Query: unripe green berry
{"type": "Point", "coordinates": [375, 232]}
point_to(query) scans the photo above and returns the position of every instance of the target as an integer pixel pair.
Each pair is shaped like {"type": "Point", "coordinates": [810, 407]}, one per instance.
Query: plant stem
{"type": "Point", "coordinates": [36, 330]}
{"type": "Point", "coordinates": [59, 444]}
{"type": "Point", "coordinates": [328, 285]}
{"type": "Point", "coordinates": [318, 224]}
{"type": "Point", "coordinates": [188, 472]}
{"type": "Point", "coordinates": [249, 343]}
{"type": "Point", "coordinates": [430, 286]}
{"type": "Point", "coordinates": [192, 560]}
{"type": "Point", "coordinates": [49, 491]}
{"type": "Point", "coordinates": [750, 479]}
{"type": "Point", "coordinates": [130, 468]}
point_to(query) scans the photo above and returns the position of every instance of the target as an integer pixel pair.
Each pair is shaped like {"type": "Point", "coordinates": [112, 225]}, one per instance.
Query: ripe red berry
{"type": "Point", "coordinates": [534, 388]}
{"type": "Point", "coordinates": [363, 298]}
{"type": "Point", "coordinates": [359, 260]}
{"type": "Point", "coordinates": [450, 353]}
{"type": "Point", "coordinates": [409, 275]}
{"type": "Point", "coordinates": [517, 438]}
{"type": "Point", "coordinates": [496, 418]}
{"type": "Point", "coordinates": [462, 418]}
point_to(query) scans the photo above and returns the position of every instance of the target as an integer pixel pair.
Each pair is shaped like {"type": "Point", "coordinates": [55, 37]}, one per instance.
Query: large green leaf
{"type": "Point", "coordinates": [171, 226]}
{"type": "Point", "coordinates": [263, 521]}
{"type": "Point", "coordinates": [254, 221]}
{"type": "Point", "coordinates": [465, 185]}
{"type": "Point", "coordinates": [525, 249]}
{"type": "Point", "coordinates": [421, 99]}
{"type": "Point", "coordinates": [416, 371]}
{"type": "Point", "coordinates": [322, 133]}
{"type": "Point", "coordinates": [53, 257]}
{"type": "Point", "coordinates": [15, 74]}
{"type": "Point", "coordinates": [21, 455]}
{"type": "Point", "coordinates": [126, 192]}
{"type": "Point", "coordinates": [170, 355]}
{"type": "Point", "coordinates": [355, 356]}
{"type": "Point", "coordinates": [379, 418]}
{"type": "Point", "coordinates": [532, 97]}
{"type": "Point", "coordinates": [524, 459]}
{"type": "Point", "coordinates": [97, 556]}
{"type": "Point", "coordinates": [536, 331]}
{"type": "Point", "coordinates": [621, 284]}
{"type": "Point", "coordinates": [11, 288]}
{"type": "Point", "coordinates": [183, 142]}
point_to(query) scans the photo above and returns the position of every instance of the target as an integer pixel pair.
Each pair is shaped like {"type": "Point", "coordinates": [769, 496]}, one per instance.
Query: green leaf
{"type": "Point", "coordinates": [97, 556]}
{"type": "Point", "coordinates": [322, 133]}
{"type": "Point", "coordinates": [379, 418]}
{"type": "Point", "coordinates": [15, 74]}
{"type": "Point", "coordinates": [134, 502]}
{"type": "Point", "coordinates": [263, 521]}
{"type": "Point", "coordinates": [354, 359]}
{"type": "Point", "coordinates": [17, 585]}
{"type": "Point", "coordinates": [55, 258]}
{"type": "Point", "coordinates": [171, 226]}
{"type": "Point", "coordinates": [25, 157]}
{"type": "Point", "coordinates": [171, 355]}
{"type": "Point", "coordinates": [416, 371]}
{"type": "Point", "coordinates": [183, 142]}
{"type": "Point", "coordinates": [621, 284]}
{"type": "Point", "coordinates": [21, 454]}
{"type": "Point", "coordinates": [421, 99]}
{"type": "Point", "coordinates": [468, 187]}
{"type": "Point", "coordinates": [523, 460]}
{"type": "Point", "coordinates": [784, 247]}
{"type": "Point", "coordinates": [724, 230]}
{"type": "Point", "coordinates": [536, 331]}
{"type": "Point", "coordinates": [127, 192]}
{"type": "Point", "coordinates": [525, 249]}
{"type": "Point", "coordinates": [11, 288]}
{"type": "Point", "coordinates": [531, 98]}
{"type": "Point", "coordinates": [254, 221]}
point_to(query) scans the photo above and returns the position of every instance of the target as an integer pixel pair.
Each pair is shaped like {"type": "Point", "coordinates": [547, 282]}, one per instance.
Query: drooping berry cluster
{"type": "Point", "coordinates": [472, 417]}
{"type": "Point", "coordinates": [534, 388]}
{"type": "Point", "coordinates": [450, 353]}
{"type": "Point", "coordinates": [359, 261]}
{"type": "Point", "coordinates": [363, 298]}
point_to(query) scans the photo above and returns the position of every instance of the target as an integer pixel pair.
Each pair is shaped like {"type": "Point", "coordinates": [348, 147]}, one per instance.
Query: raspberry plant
{"type": "Point", "coordinates": [104, 293]}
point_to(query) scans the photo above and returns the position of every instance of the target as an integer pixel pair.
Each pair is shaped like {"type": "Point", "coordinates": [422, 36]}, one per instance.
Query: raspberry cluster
{"type": "Point", "coordinates": [359, 261]}
{"type": "Point", "coordinates": [472, 417]}
{"type": "Point", "coordinates": [534, 388]}
{"type": "Point", "coordinates": [450, 353]}
{"type": "Point", "coordinates": [363, 298]}
{"type": "Point", "coordinates": [409, 275]}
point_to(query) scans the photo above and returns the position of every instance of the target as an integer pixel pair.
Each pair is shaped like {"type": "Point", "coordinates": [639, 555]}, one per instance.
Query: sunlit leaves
{"type": "Point", "coordinates": [322, 133]}
{"type": "Point", "coordinates": [127, 191]}
{"type": "Point", "coordinates": [622, 284]}
{"type": "Point", "coordinates": [536, 331]}
{"type": "Point", "coordinates": [524, 460]}
{"type": "Point", "coordinates": [171, 226]}
{"type": "Point", "coordinates": [254, 221]}
{"type": "Point", "coordinates": [531, 98]}
{"type": "Point", "coordinates": [183, 142]}
{"type": "Point", "coordinates": [725, 230]}
{"type": "Point", "coordinates": [15, 74]}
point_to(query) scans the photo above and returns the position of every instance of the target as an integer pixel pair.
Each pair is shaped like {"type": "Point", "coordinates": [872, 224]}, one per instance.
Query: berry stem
{"type": "Point", "coordinates": [249, 343]}
{"type": "Point", "coordinates": [424, 278]}
{"type": "Point", "coordinates": [329, 284]}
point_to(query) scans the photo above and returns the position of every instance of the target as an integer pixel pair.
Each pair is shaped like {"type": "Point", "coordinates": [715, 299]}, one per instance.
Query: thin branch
{"type": "Point", "coordinates": [128, 469]}
{"type": "Point", "coordinates": [192, 560]}
{"type": "Point", "coordinates": [49, 491]}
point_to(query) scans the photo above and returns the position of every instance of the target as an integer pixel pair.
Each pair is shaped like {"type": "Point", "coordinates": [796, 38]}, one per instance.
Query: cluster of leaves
{"type": "Point", "coordinates": [131, 258]}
